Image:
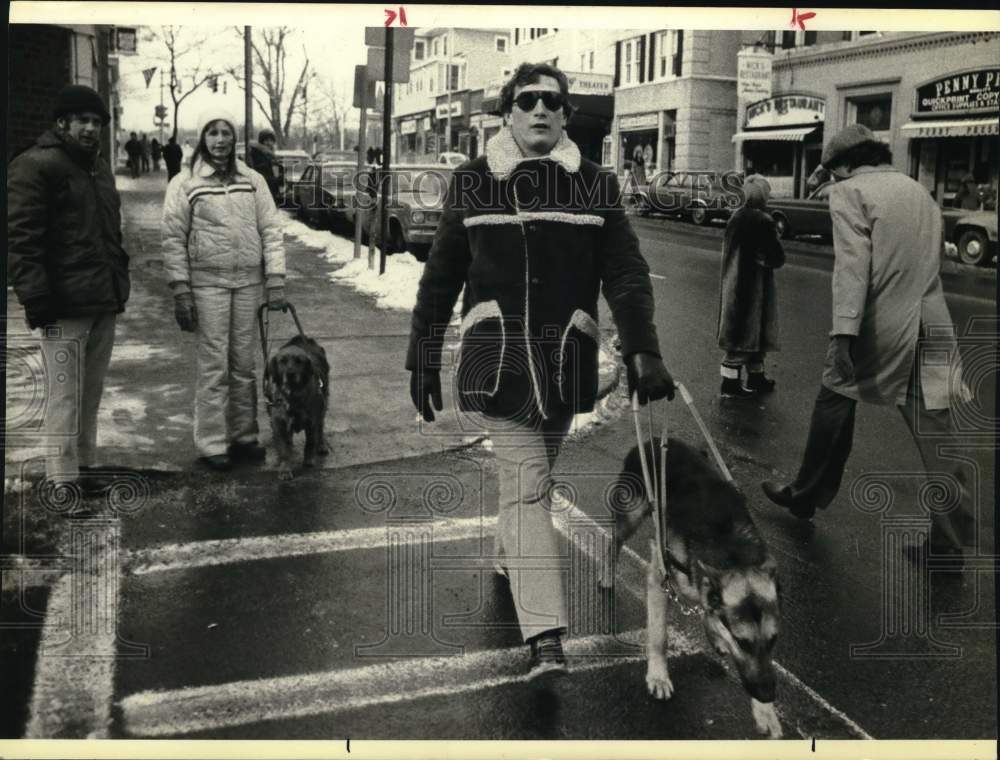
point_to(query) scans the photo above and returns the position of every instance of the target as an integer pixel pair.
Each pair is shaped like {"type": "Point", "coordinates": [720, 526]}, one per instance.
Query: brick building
{"type": "Point", "coordinates": [42, 59]}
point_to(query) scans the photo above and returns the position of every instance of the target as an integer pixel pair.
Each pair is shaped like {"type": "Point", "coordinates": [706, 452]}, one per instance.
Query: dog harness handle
{"type": "Point", "coordinates": [704, 431]}
{"type": "Point", "coordinates": [263, 323]}
{"type": "Point", "coordinates": [656, 490]}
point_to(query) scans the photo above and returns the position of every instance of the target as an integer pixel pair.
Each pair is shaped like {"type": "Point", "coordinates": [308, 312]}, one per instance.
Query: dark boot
{"type": "Point", "coordinates": [759, 382]}
{"type": "Point", "coordinates": [247, 452]}
{"type": "Point", "coordinates": [733, 388]}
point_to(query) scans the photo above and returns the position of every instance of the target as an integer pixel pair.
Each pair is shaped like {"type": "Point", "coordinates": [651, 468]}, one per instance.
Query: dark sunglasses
{"type": "Point", "coordinates": [527, 101]}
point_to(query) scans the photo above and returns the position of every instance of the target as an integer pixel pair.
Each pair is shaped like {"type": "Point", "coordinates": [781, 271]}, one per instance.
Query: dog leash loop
{"type": "Point", "coordinates": [656, 488]}
{"type": "Point", "coordinates": [704, 431]}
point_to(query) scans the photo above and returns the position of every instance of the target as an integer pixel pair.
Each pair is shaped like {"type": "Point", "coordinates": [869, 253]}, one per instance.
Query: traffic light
{"type": "Point", "coordinates": [161, 112]}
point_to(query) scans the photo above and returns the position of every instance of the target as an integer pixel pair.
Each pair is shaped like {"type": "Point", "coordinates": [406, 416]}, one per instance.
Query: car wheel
{"type": "Point", "coordinates": [782, 227]}
{"type": "Point", "coordinates": [972, 247]}
{"type": "Point", "coordinates": [698, 214]}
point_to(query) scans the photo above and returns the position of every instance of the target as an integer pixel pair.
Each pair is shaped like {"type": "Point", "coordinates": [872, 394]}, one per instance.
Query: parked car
{"type": "Point", "coordinates": [699, 196]}
{"type": "Point", "coordinates": [324, 191]}
{"type": "Point", "coordinates": [975, 234]}
{"type": "Point", "coordinates": [452, 159]}
{"type": "Point", "coordinates": [803, 216]}
{"type": "Point", "coordinates": [414, 209]}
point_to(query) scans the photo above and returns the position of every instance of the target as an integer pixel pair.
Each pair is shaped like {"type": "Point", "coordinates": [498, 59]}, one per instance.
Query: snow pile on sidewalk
{"type": "Point", "coordinates": [396, 289]}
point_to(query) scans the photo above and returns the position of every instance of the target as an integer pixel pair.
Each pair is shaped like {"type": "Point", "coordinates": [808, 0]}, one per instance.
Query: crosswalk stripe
{"type": "Point", "coordinates": [198, 554]}
{"type": "Point", "coordinates": [203, 708]}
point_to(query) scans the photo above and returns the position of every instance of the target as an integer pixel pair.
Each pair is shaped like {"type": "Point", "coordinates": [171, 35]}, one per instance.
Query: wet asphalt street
{"type": "Point", "coordinates": [333, 606]}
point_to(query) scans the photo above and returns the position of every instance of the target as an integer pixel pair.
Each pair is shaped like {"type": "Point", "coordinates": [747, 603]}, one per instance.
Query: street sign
{"type": "Point", "coordinates": [124, 40]}
{"type": "Point", "coordinates": [363, 86]}
{"type": "Point", "coordinates": [402, 38]}
{"type": "Point", "coordinates": [753, 76]}
{"type": "Point", "coordinates": [400, 65]}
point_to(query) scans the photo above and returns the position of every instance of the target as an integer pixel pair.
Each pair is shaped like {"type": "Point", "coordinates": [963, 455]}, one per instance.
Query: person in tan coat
{"type": "Point", "coordinates": [887, 302]}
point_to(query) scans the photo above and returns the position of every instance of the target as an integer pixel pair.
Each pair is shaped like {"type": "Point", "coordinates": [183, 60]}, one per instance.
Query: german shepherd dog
{"type": "Point", "coordinates": [715, 557]}
{"type": "Point", "coordinates": [299, 377]}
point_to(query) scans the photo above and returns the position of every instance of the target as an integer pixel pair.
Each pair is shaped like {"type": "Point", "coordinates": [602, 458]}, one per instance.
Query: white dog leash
{"type": "Point", "coordinates": [656, 488]}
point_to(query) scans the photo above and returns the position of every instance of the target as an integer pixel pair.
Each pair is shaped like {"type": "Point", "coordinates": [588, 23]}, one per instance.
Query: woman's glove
{"type": "Point", "coordinates": [38, 313]}
{"type": "Point", "coordinates": [425, 387]}
{"type": "Point", "coordinates": [184, 312]}
{"type": "Point", "coordinates": [648, 375]}
{"type": "Point", "coordinates": [276, 299]}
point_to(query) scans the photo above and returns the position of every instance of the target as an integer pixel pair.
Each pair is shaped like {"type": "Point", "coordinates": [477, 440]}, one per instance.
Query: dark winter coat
{"type": "Point", "coordinates": [173, 154]}
{"type": "Point", "coordinates": [532, 241]}
{"type": "Point", "coordinates": [748, 303]}
{"type": "Point", "coordinates": [133, 148]}
{"type": "Point", "coordinates": [64, 240]}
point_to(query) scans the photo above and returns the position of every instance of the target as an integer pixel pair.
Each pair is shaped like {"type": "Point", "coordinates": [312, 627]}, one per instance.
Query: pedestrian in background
{"type": "Point", "coordinates": [144, 152]}
{"type": "Point", "coordinates": [887, 299]}
{"type": "Point", "coordinates": [529, 355]}
{"type": "Point", "coordinates": [261, 158]}
{"type": "Point", "coordinates": [748, 302]}
{"type": "Point", "coordinates": [70, 273]}
{"type": "Point", "coordinates": [172, 157]}
{"type": "Point", "coordinates": [967, 196]}
{"type": "Point", "coordinates": [156, 152]}
{"type": "Point", "coordinates": [133, 149]}
{"type": "Point", "coordinates": [222, 238]}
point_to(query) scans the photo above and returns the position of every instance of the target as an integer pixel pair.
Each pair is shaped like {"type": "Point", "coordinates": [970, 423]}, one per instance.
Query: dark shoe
{"type": "Point", "coordinates": [949, 558]}
{"type": "Point", "coordinates": [218, 462]}
{"type": "Point", "coordinates": [733, 388]}
{"type": "Point", "coordinates": [759, 382]}
{"type": "Point", "coordinates": [247, 452]}
{"type": "Point", "coordinates": [782, 496]}
{"type": "Point", "coordinates": [546, 655]}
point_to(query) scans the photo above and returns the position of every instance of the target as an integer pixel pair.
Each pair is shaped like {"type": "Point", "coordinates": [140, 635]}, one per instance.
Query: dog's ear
{"type": "Point", "coordinates": [770, 567]}
{"type": "Point", "coordinates": [711, 586]}
{"type": "Point", "coordinates": [273, 371]}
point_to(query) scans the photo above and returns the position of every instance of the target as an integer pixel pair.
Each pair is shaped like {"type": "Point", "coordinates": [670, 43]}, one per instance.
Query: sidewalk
{"type": "Point", "coordinates": [360, 319]}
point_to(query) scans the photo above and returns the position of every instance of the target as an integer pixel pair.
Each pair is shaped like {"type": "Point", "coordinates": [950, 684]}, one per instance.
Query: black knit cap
{"type": "Point", "coordinates": [78, 99]}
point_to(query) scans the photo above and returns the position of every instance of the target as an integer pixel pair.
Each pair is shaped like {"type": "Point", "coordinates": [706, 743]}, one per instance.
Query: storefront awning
{"type": "Point", "coordinates": [789, 134]}
{"type": "Point", "coordinates": [957, 128]}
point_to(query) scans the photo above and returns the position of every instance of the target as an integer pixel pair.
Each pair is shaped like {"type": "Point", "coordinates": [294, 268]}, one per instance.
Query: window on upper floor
{"type": "Point", "coordinates": [591, 60]}
{"type": "Point", "coordinates": [874, 111]}
{"type": "Point", "coordinates": [444, 45]}
{"type": "Point", "coordinates": [437, 47]}
{"type": "Point", "coordinates": [627, 62]}
{"type": "Point", "coordinates": [583, 61]}
{"type": "Point", "coordinates": [501, 44]}
{"type": "Point", "coordinates": [418, 50]}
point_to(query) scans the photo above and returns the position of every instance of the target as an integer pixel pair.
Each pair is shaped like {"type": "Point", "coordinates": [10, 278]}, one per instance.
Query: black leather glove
{"type": "Point", "coordinates": [841, 348]}
{"type": "Point", "coordinates": [425, 387]}
{"type": "Point", "coordinates": [276, 299]}
{"type": "Point", "coordinates": [184, 312]}
{"type": "Point", "coordinates": [38, 313]}
{"type": "Point", "coordinates": [648, 375]}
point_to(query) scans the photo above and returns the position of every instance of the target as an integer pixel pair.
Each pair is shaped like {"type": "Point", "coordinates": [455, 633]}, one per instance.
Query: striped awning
{"type": "Point", "coordinates": [956, 128]}
{"type": "Point", "coordinates": [790, 134]}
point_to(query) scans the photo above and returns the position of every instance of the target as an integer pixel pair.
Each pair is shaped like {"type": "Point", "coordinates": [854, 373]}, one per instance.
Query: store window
{"type": "Point", "coordinates": [874, 112]}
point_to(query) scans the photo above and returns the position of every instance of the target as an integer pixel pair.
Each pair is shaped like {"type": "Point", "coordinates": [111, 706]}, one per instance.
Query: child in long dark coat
{"type": "Point", "coordinates": [748, 304]}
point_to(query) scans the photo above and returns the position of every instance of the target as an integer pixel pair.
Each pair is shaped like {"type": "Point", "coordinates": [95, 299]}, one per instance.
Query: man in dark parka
{"type": "Point", "coordinates": [532, 232]}
{"type": "Point", "coordinates": [70, 273]}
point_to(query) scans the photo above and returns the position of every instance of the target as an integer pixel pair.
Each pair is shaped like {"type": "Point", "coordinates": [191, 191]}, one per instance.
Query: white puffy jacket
{"type": "Point", "coordinates": [221, 235]}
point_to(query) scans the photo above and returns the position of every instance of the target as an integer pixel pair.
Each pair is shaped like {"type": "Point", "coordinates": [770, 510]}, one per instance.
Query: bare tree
{"type": "Point", "coordinates": [279, 101]}
{"type": "Point", "coordinates": [330, 110]}
{"type": "Point", "coordinates": [183, 62]}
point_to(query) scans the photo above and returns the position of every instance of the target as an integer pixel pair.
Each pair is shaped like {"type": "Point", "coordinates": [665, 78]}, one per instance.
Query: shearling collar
{"type": "Point", "coordinates": [203, 168]}
{"type": "Point", "coordinates": [503, 155]}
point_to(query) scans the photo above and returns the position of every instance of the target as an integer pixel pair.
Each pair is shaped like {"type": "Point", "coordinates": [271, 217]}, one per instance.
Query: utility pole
{"type": "Point", "coordinates": [386, 147]}
{"type": "Point", "coordinates": [451, 48]}
{"type": "Point", "coordinates": [247, 89]}
{"type": "Point", "coordinates": [360, 89]}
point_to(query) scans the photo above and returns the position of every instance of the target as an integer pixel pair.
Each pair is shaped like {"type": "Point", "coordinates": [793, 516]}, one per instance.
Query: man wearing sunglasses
{"type": "Point", "coordinates": [533, 232]}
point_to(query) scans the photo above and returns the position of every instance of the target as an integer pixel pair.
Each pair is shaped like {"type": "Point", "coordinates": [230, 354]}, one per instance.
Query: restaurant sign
{"type": "Point", "coordinates": [965, 92]}
{"type": "Point", "coordinates": [786, 111]}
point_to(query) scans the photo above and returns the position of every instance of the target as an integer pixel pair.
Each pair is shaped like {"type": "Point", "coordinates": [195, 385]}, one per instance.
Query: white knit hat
{"type": "Point", "coordinates": [215, 114]}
